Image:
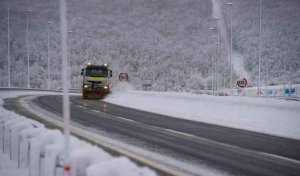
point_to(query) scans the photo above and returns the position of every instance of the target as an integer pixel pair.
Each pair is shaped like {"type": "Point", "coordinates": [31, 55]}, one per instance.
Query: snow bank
{"type": "Point", "coordinates": [125, 167]}
{"type": "Point", "coordinates": [122, 87]}
{"type": "Point", "coordinates": [272, 116]}
{"type": "Point", "coordinates": [46, 150]}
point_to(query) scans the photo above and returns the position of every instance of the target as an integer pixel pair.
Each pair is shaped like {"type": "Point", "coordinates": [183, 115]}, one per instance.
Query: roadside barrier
{"type": "Point", "coordinates": [3, 120]}
{"type": "Point", "coordinates": [25, 136]}
{"type": "Point", "coordinates": [41, 151]}
{"type": "Point", "coordinates": [32, 146]}
{"type": "Point", "coordinates": [7, 134]}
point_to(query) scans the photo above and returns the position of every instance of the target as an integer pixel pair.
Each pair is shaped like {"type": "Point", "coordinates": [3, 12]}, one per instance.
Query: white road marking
{"type": "Point", "coordinates": [96, 111]}
{"type": "Point", "coordinates": [129, 120]}
{"type": "Point", "coordinates": [118, 117]}
{"type": "Point", "coordinates": [81, 106]}
{"type": "Point", "coordinates": [281, 157]}
{"type": "Point", "coordinates": [180, 133]}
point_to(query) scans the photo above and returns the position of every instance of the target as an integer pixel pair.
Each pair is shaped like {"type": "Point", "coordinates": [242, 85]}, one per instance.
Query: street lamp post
{"type": "Point", "coordinates": [221, 72]}
{"type": "Point", "coordinates": [87, 39]}
{"type": "Point", "coordinates": [218, 55]}
{"type": "Point", "coordinates": [267, 78]}
{"type": "Point", "coordinates": [259, 50]}
{"type": "Point", "coordinates": [48, 58]}
{"type": "Point", "coordinates": [8, 47]}
{"type": "Point", "coordinates": [224, 81]}
{"type": "Point", "coordinates": [230, 4]}
{"type": "Point", "coordinates": [240, 74]}
{"type": "Point", "coordinates": [240, 58]}
{"type": "Point", "coordinates": [212, 67]}
{"type": "Point", "coordinates": [28, 71]}
{"type": "Point", "coordinates": [213, 64]}
{"type": "Point", "coordinates": [69, 71]}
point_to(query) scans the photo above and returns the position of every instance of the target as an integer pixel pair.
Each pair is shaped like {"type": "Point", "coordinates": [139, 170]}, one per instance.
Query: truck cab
{"type": "Point", "coordinates": [96, 81]}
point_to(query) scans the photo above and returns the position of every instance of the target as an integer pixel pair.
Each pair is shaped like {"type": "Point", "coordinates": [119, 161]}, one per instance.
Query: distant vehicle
{"type": "Point", "coordinates": [96, 81]}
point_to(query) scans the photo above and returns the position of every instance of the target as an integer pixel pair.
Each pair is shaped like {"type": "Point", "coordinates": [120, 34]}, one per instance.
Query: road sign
{"type": "Point", "coordinates": [242, 83]}
{"type": "Point", "coordinates": [123, 77]}
{"type": "Point", "coordinates": [290, 91]}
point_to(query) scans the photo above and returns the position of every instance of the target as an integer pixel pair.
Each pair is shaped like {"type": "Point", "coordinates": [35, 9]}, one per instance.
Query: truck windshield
{"type": "Point", "coordinates": [96, 72]}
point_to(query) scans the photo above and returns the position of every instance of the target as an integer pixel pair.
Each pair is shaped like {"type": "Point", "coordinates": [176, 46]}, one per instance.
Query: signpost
{"type": "Point", "coordinates": [242, 83]}
{"type": "Point", "coordinates": [123, 77]}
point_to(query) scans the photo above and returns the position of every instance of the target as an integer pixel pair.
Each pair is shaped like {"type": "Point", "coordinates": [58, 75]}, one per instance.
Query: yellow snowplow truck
{"type": "Point", "coordinates": [96, 81]}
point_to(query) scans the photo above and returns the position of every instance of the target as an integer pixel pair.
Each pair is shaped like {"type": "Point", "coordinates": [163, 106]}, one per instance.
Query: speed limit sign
{"type": "Point", "coordinates": [123, 77]}
{"type": "Point", "coordinates": [242, 83]}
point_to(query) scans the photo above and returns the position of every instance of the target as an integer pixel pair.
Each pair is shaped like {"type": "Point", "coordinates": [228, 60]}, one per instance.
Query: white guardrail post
{"type": "Point", "coordinates": [39, 151]}
{"type": "Point", "coordinates": [7, 134]}
{"type": "Point", "coordinates": [15, 136]}
{"type": "Point", "coordinates": [2, 131]}
{"type": "Point", "coordinates": [25, 137]}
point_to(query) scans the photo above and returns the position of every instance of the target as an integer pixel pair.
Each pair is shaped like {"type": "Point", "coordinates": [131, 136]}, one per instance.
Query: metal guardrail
{"type": "Point", "coordinates": [32, 146]}
{"type": "Point", "coordinates": [27, 142]}
{"type": "Point", "coordinates": [43, 90]}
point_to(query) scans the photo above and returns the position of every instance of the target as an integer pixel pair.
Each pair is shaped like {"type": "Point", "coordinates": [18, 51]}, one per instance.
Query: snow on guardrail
{"type": "Point", "coordinates": [37, 151]}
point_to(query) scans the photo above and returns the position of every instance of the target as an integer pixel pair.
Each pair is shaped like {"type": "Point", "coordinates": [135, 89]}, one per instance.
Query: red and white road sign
{"type": "Point", "coordinates": [123, 77]}
{"type": "Point", "coordinates": [242, 83]}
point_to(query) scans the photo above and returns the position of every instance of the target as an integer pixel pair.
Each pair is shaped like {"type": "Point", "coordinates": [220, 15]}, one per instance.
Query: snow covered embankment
{"type": "Point", "coordinates": [272, 116]}
{"type": "Point", "coordinates": [46, 148]}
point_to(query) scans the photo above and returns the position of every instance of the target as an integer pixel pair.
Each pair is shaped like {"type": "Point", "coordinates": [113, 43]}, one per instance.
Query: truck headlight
{"type": "Point", "coordinates": [85, 86]}
{"type": "Point", "coordinates": [105, 87]}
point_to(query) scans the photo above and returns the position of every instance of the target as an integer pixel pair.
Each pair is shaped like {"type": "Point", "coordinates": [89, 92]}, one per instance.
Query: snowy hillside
{"type": "Point", "coordinates": [280, 38]}
{"type": "Point", "coordinates": [163, 42]}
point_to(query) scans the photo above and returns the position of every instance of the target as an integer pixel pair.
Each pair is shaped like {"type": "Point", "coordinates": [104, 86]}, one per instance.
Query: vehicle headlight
{"type": "Point", "coordinates": [85, 86]}
{"type": "Point", "coordinates": [105, 87]}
